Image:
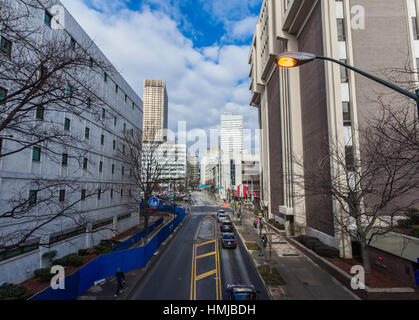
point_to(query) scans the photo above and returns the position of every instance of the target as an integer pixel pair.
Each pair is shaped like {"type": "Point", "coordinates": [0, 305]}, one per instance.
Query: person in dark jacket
{"type": "Point", "coordinates": [120, 279]}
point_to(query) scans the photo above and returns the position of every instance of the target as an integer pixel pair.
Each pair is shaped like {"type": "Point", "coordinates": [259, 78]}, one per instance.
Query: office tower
{"type": "Point", "coordinates": [155, 111]}
{"type": "Point", "coordinates": [304, 110]}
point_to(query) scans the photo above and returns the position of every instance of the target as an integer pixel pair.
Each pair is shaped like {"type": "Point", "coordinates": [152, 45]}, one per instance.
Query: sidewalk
{"type": "Point", "coordinates": [304, 280]}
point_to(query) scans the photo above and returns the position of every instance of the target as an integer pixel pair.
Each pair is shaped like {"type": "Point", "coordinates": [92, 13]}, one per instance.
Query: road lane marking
{"type": "Point", "coordinates": [205, 243]}
{"type": "Point", "coordinates": [193, 273]}
{"type": "Point", "coordinates": [205, 255]}
{"type": "Point", "coordinates": [218, 279]}
{"type": "Point", "coordinates": [206, 274]}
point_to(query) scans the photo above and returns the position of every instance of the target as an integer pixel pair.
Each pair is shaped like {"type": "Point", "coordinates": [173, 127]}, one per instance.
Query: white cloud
{"type": "Point", "coordinates": [145, 44]}
{"type": "Point", "coordinates": [244, 28]}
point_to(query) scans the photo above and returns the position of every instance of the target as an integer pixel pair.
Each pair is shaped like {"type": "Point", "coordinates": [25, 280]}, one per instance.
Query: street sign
{"type": "Point", "coordinates": [153, 203]}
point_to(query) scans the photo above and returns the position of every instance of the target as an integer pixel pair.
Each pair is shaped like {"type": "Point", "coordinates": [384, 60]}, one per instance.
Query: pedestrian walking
{"type": "Point", "coordinates": [255, 223]}
{"type": "Point", "coordinates": [120, 279]}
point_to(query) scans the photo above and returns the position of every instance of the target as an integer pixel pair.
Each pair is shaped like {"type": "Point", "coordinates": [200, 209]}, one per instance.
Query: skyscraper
{"type": "Point", "coordinates": [231, 151]}
{"type": "Point", "coordinates": [155, 110]}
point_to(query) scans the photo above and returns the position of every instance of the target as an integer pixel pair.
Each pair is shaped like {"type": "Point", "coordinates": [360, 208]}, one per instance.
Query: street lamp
{"type": "Point", "coordinates": [295, 59]}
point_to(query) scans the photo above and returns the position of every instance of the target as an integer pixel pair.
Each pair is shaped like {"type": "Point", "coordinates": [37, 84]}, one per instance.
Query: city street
{"type": "Point", "coordinates": [196, 247]}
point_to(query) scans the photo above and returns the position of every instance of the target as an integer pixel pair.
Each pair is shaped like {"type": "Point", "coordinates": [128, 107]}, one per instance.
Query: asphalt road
{"type": "Point", "coordinates": [194, 265]}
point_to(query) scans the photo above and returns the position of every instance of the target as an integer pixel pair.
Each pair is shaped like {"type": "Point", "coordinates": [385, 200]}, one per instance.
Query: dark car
{"type": "Point", "coordinates": [241, 292]}
{"type": "Point", "coordinates": [229, 240]}
{"type": "Point", "coordinates": [226, 226]}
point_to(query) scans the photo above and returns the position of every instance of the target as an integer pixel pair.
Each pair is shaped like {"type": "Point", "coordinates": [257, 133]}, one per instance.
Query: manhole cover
{"type": "Point", "coordinates": [291, 255]}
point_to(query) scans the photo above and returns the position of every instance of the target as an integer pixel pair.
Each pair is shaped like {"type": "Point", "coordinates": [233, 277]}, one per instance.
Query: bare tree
{"type": "Point", "coordinates": [47, 80]}
{"type": "Point", "coordinates": [146, 162]}
{"type": "Point", "coordinates": [372, 188]}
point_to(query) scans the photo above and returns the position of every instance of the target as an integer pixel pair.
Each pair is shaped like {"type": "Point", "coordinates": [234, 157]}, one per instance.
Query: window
{"type": "Point", "coordinates": [102, 139]}
{"type": "Point", "coordinates": [349, 157]}
{"type": "Point", "coordinates": [36, 154]}
{"type": "Point", "coordinates": [5, 46]}
{"type": "Point", "coordinates": [114, 121]}
{"type": "Point", "coordinates": [87, 133]}
{"type": "Point", "coordinates": [122, 193]}
{"type": "Point", "coordinates": [103, 113]}
{"type": "Point", "coordinates": [116, 88]}
{"type": "Point", "coordinates": [100, 166]}
{"type": "Point", "coordinates": [123, 149]}
{"type": "Point", "coordinates": [346, 113]}
{"type": "Point", "coordinates": [67, 235]}
{"type": "Point", "coordinates": [113, 169]}
{"type": "Point", "coordinates": [123, 170]}
{"type": "Point", "coordinates": [64, 159]}
{"type": "Point", "coordinates": [133, 106]}
{"type": "Point", "coordinates": [124, 217]}
{"type": "Point", "coordinates": [105, 77]}
{"type": "Point", "coordinates": [126, 98]}
{"type": "Point", "coordinates": [343, 73]}
{"type": "Point", "coordinates": [3, 93]}
{"type": "Point", "coordinates": [85, 163]}
{"type": "Point", "coordinates": [39, 114]}
{"type": "Point", "coordinates": [99, 194]}
{"type": "Point", "coordinates": [72, 43]}
{"type": "Point", "coordinates": [89, 103]}
{"type": "Point", "coordinates": [91, 62]}
{"type": "Point", "coordinates": [111, 193]}
{"type": "Point", "coordinates": [125, 127]}
{"type": "Point", "coordinates": [114, 144]}
{"type": "Point", "coordinates": [67, 124]}
{"type": "Point", "coordinates": [8, 254]}
{"type": "Point", "coordinates": [48, 18]}
{"type": "Point", "coordinates": [83, 194]}
{"type": "Point", "coordinates": [341, 30]}
{"type": "Point", "coordinates": [102, 224]}
{"type": "Point", "coordinates": [62, 196]}
{"type": "Point", "coordinates": [415, 28]}
{"type": "Point", "coordinates": [33, 197]}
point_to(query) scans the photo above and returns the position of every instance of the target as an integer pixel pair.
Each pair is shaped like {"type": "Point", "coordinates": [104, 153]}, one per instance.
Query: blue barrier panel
{"type": "Point", "coordinates": [134, 239]}
{"type": "Point", "coordinates": [105, 266]}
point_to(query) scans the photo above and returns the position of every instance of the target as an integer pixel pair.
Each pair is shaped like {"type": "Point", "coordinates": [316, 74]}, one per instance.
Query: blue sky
{"type": "Point", "coordinates": [199, 47]}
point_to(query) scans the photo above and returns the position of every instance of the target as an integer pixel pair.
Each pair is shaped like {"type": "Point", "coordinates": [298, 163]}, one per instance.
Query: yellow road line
{"type": "Point", "coordinates": [218, 284]}
{"type": "Point", "coordinates": [205, 255]}
{"type": "Point", "coordinates": [206, 274]}
{"type": "Point", "coordinates": [205, 243]}
{"type": "Point", "coordinates": [193, 273]}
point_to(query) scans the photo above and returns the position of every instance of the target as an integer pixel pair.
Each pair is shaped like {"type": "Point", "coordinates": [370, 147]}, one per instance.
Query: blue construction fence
{"type": "Point", "coordinates": [105, 266]}
{"type": "Point", "coordinates": [136, 238]}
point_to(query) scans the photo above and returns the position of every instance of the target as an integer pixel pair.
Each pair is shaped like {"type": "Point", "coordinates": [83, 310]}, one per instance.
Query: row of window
{"type": "Point", "coordinates": [33, 195]}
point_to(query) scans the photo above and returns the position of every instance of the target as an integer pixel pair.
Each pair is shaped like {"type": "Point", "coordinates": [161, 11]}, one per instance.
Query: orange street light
{"type": "Point", "coordinates": [295, 59]}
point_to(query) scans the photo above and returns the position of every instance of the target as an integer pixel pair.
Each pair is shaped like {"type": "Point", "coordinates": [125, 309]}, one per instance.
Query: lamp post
{"type": "Point", "coordinates": [260, 237]}
{"type": "Point", "coordinates": [295, 59]}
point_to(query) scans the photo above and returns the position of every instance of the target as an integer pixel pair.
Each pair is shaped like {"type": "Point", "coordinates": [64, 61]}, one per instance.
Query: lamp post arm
{"type": "Point", "coordinates": [407, 93]}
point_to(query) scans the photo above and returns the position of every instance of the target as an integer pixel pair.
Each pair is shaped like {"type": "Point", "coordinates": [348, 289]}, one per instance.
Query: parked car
{"type": "Point", "coordinates": [226, 226]}
{"type": "Point", "coordinates": [229, 240]}
{"type": "Point", "coordinates": [241, 292]}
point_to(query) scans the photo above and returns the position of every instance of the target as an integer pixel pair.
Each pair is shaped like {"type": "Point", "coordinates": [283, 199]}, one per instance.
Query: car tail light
{"type": "Point", "coordinates": [235, 242]}
{"type": "Point", "coordinates": [224, 242]}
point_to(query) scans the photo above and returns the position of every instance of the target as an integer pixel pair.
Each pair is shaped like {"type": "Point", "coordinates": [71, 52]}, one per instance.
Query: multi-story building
{"type": "Point", "coordinates": [155, 110]}
{"type": "Point", "coordinates": [231, 133]}
{"type": "Point", "coordinates": [193, 170]}
{"type": "Point", "coordinates": [251, 174]}
{"type": "Point", "coordinates": [102, 168]}
{"type": "Point", "coordinates": [303, 110]}
{"type": "Point", "coordinates": [209, 158]}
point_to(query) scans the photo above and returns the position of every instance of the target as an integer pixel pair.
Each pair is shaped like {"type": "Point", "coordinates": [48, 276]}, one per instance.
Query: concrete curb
{"type": "Point", "coordinates": [254, 263]}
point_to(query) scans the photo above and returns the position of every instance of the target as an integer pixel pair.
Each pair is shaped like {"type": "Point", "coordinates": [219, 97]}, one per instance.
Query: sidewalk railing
{"type": "Point", "coordinates": [105, 266]}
